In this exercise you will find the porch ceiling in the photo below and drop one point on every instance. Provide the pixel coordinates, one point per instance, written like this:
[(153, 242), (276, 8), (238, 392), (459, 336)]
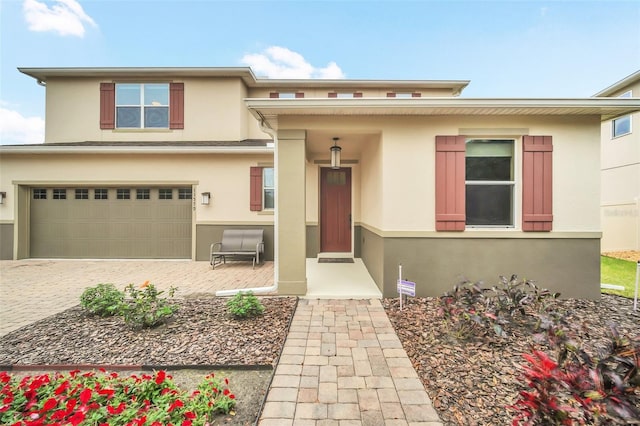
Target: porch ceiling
[(607, 108)]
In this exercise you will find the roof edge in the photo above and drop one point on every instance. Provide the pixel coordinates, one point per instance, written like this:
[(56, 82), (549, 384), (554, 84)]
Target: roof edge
[(630, 79)]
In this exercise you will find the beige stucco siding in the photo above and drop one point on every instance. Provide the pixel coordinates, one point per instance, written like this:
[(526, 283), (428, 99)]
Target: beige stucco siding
[(398, 179), (226, 177), (213, 110)]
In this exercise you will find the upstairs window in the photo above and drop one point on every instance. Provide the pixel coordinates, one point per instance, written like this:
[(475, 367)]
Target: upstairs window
[(142, 106), (621, 126), (489, 182)]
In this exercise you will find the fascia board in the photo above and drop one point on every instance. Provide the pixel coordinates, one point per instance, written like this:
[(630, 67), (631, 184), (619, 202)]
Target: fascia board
[(79, 149)]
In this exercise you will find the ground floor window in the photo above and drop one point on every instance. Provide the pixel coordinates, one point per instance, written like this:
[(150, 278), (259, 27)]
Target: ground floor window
[(268, 188), (489, 182)]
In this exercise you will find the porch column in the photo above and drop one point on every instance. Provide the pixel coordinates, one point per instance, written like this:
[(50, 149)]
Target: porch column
[(290, 213)]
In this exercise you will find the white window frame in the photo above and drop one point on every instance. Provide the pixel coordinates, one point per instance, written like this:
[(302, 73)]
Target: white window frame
[(615, 135), (141, 105), (265, 188), (515, 184)]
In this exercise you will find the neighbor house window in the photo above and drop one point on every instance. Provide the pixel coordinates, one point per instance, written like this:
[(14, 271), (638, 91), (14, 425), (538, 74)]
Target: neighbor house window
[(82, 194), (143, 194), (268, 188), (59, 194), (39, 194), (100, 194), (489, 182), (123, 194), (165, 194), (184, 193), (621, 126), (142, 105)]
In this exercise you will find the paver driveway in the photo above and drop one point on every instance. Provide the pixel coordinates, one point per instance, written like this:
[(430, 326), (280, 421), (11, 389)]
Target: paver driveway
[(33, 289)]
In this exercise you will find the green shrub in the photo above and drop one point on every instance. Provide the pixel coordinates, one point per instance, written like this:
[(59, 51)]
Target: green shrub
[(145, 308), (245, 305), (103, 300)]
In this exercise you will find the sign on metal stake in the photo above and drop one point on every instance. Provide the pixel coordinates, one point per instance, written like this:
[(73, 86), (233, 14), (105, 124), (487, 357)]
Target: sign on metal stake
[(405, 287)]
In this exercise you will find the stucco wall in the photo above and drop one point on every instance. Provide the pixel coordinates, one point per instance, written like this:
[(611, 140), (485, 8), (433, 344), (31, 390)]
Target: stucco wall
[(226, 177), (214, 110)]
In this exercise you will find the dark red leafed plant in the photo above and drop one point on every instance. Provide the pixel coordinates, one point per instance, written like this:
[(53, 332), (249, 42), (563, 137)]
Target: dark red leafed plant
[(580, 388)]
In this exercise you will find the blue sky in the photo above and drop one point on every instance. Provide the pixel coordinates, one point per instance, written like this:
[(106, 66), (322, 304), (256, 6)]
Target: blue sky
[(506, 48)]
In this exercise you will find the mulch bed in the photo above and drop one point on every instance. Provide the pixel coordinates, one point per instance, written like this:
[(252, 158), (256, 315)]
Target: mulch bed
[(472, 382), (201, 332)]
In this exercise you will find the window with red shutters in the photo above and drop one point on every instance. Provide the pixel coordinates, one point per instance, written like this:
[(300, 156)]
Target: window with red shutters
[(537, 209), (450, 183), (108, 106)]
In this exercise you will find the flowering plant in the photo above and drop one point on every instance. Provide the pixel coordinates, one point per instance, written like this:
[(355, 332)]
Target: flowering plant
[(107, 399), (145, 307)]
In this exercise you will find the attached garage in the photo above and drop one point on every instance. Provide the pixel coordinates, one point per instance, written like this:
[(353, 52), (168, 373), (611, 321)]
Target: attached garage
[(104, 222)]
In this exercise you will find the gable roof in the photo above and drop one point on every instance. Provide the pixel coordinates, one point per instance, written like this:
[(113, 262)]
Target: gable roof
[(627, 81)]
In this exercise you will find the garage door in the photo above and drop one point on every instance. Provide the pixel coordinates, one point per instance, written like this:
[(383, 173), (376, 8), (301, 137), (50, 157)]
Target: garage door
[(111, 223)]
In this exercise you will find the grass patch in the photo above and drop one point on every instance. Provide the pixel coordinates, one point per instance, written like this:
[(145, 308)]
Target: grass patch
[(618, 272)]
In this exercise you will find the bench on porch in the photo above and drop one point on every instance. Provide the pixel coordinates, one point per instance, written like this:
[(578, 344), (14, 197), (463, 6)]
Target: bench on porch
[(241, 244)]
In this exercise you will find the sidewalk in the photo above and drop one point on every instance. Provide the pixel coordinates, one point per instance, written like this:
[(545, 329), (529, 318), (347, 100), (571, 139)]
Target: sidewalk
[(343, 364)]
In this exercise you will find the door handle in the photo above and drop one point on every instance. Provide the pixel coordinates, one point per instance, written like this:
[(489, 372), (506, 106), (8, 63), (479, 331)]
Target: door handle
[(349, 219)]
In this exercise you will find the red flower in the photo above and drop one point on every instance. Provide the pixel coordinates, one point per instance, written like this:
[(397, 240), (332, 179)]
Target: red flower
[(187, 423), (145, 284), (49, 404), (63, 387), (226, 381), (116, 410), (160, 376), (226, 392), (190, 415), (77, 418), (232, 396), (85, 396), (176, 404)]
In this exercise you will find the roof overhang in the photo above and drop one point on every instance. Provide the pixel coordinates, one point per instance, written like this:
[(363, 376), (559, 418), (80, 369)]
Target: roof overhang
[(177, 149), (267, 110), (244, 73)]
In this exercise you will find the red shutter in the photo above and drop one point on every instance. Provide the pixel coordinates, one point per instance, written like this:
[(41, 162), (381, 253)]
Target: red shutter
[(537, 211), (274, 95), (176, 106), (107, 105), (299, 95), (357, 95), (450, 183), (416, 95), (391, 95), (255, 203), (332, 94)]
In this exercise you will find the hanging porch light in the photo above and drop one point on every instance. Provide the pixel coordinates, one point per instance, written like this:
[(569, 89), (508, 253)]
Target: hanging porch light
[(335, 154)]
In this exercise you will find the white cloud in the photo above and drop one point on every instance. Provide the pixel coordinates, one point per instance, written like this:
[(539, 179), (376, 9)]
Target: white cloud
[(280, 62), (15, 129), (66, 17)]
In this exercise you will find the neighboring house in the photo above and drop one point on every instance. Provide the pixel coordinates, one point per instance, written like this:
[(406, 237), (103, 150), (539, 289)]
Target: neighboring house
[(620, 164), (446, 186)]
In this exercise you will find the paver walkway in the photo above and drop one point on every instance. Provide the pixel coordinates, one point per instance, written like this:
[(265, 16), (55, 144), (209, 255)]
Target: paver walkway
[(343, 364)]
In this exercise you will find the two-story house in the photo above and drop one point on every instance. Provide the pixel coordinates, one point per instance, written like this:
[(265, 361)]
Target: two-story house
[(157, 162), (620, 164)]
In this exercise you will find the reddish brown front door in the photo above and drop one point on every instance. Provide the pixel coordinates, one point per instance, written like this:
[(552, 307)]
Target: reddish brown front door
[(335, 210)]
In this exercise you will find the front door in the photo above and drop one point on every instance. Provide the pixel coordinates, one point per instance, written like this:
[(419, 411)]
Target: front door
[(335, 210)]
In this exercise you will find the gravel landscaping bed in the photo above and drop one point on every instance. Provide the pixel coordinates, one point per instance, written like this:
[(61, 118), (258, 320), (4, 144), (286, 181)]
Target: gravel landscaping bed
[(471, 383), (200, 335)]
